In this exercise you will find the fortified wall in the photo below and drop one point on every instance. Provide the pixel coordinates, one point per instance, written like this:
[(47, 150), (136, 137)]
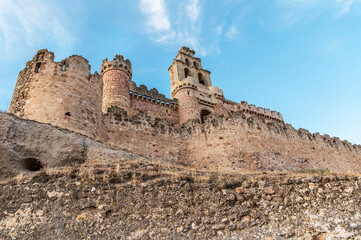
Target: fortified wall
[(196, 127)]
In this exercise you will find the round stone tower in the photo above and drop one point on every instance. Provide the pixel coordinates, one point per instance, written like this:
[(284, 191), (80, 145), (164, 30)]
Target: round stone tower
[(64, 94), (116, 76), (188, 107)]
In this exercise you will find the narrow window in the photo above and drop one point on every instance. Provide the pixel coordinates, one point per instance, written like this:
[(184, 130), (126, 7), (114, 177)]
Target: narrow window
[(187, 72), (187, 62), (37, 67), (200, 79), (195, 64), (63, 67), (188, 93)]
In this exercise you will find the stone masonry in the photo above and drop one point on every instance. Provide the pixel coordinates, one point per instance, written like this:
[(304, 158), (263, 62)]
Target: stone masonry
[(197, 127)]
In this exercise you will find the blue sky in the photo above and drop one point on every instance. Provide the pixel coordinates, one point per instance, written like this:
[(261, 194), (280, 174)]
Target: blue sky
[(299, 57)]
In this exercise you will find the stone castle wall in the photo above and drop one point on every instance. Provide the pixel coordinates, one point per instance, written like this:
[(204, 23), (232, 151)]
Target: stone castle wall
[(243, 137), (252, 143), (151, 101), (63, 93), (237, 143), (252, 110), (159, 139), (105, 192)]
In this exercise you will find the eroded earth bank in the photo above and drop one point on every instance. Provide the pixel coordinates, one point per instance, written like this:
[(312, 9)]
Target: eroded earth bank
[(56, 184)]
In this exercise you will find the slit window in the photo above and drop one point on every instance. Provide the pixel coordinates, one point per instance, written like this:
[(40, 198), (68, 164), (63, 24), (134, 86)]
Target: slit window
[(37, 67), (200, 79), (187, 62), (187, 72)]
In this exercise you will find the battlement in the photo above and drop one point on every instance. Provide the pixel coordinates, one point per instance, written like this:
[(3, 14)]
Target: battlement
[(254, 110), (197, 127), (117, 63), (192, 93), (152, 96)]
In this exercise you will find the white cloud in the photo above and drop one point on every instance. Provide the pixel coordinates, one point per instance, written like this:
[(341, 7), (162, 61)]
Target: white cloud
[(344, 5), (231, 33), (156, 13), (193, 10), (181, 30), (28, 22), (293, 11), (182, 23)]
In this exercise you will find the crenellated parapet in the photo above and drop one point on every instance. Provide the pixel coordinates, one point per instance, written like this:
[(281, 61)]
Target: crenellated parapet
[(118, 63), (254, 110), (152, 96), (262, 112), (63, 93)]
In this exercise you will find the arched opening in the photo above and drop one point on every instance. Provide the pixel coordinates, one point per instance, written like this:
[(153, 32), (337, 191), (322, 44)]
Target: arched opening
[(195, 64), (200, 79), (187, 62), (187, 72), (204, 114), (32, 164)]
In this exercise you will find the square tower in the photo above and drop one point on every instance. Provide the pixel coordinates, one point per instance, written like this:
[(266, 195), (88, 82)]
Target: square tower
[(192, 86)]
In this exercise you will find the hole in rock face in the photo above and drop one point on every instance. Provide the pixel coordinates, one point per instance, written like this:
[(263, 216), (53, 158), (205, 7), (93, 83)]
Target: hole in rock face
[(32, 164), (67, 114)]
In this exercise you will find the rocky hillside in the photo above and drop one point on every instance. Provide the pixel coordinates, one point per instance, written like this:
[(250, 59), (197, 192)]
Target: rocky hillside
[(144, 200), (56, 184)]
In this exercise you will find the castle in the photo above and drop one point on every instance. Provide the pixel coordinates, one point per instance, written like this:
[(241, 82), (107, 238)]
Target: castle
[(110, 107), (66, 93)]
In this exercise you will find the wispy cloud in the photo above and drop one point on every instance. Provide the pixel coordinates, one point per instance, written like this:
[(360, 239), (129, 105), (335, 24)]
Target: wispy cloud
[(291, 12), (27, 22), (231, 33), (294, 11), (344, 6), (182, 29), (156, 14), (193, 10), (182, 23)]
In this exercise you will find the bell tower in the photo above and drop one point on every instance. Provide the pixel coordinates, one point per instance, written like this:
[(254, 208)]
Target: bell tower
[(192, 86)]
